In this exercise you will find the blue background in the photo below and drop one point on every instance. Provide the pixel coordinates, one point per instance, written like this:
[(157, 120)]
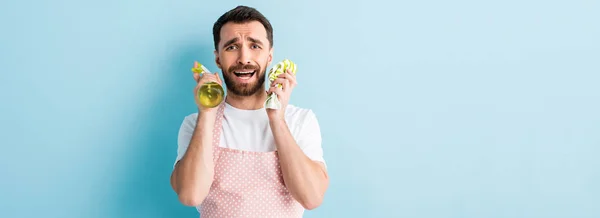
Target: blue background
[(428, 109)]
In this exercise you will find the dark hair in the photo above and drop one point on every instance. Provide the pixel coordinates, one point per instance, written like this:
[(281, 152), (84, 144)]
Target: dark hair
[(241, 14)]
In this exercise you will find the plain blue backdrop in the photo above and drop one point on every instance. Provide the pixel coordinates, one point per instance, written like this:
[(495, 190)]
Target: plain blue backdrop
[(428, 109)]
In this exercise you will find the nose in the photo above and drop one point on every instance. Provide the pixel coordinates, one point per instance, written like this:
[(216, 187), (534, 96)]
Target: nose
[(244, 56)]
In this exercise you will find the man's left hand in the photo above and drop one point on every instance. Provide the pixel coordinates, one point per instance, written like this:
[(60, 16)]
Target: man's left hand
[(288, 82)]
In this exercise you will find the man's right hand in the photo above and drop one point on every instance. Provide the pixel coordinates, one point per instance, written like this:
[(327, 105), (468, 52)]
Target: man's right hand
[(202, 79)]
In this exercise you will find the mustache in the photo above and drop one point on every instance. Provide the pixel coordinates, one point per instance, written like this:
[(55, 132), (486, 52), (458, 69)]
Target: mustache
[(243, 67)]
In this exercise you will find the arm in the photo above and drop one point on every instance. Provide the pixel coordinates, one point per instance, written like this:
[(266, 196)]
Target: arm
[(193, 174), (307, 180)]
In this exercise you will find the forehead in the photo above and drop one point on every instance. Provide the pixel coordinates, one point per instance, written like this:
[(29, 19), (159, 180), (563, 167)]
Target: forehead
[(252, 29)]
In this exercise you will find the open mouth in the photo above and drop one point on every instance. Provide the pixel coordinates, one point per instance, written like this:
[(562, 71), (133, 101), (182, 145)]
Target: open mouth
[(244, 74)]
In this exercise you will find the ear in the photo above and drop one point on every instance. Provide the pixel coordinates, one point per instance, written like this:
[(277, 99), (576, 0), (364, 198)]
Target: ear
[(217, 61), (270, 59)]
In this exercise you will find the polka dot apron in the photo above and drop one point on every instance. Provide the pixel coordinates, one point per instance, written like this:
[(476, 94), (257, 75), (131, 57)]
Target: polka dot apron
[(247, 184)]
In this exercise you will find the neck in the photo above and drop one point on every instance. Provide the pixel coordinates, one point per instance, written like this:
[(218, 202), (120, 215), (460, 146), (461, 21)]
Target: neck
[(252, 102)]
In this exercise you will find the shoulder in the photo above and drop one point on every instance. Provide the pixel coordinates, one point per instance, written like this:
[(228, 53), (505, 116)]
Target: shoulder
[(189, 121), (191, 116), (298, 113)]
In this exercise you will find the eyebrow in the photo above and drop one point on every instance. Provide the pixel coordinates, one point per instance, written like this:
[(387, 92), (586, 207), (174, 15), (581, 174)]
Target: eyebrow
[(231, 41), (255, 40), (236, 39)]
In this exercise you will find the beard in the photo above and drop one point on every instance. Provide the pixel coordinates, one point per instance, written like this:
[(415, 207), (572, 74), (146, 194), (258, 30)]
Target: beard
[(245, 89)]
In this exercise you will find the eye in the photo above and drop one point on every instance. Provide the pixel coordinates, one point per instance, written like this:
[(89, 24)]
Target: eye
[(230, 47), (255, 47)]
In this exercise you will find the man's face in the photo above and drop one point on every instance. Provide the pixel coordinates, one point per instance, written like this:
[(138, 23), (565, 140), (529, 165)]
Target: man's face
[(243, 55)]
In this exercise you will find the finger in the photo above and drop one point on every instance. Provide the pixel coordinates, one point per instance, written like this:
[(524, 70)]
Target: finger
[(291, 78), (288, 75), (208, 77), (278, 81), (272, 90), (286, 85), (283, 75), (196, 77), (196, 88), (277, 91)]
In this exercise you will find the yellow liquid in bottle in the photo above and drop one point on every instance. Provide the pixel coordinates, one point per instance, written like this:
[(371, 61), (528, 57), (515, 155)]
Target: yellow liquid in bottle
[(210, 94)]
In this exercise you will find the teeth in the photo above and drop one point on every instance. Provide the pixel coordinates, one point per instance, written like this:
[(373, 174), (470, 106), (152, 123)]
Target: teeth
[(244, 72)]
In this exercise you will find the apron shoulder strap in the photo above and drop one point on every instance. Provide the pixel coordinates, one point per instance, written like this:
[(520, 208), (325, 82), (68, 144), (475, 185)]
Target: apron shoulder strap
[(217, 131)]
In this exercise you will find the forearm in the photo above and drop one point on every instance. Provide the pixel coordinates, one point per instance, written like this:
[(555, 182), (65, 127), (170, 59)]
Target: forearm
[(193, 174), (305, 179)]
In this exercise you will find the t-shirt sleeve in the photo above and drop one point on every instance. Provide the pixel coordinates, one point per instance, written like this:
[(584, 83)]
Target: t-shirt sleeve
[(185, 136), (310, 138)]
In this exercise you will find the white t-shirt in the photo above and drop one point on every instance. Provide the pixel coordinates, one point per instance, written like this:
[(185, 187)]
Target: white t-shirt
[(250, 130)]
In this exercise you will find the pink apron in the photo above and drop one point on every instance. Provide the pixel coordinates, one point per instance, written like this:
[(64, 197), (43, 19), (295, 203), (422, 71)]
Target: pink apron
[(247, 183)]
